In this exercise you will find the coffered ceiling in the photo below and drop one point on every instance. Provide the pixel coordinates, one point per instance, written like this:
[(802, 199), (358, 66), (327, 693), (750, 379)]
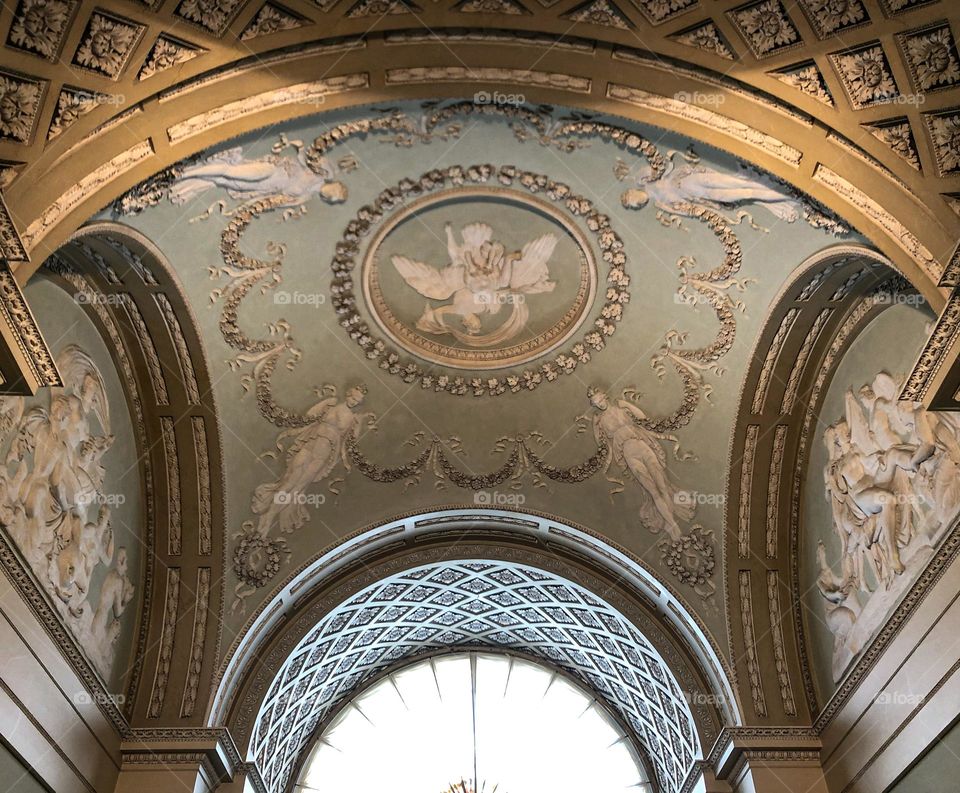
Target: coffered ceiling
[(876, 78)]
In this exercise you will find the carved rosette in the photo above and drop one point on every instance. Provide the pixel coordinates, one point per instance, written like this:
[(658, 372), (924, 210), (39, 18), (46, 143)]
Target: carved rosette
[(931, 57), (866, 75), (766, 27), (40, 25), (107, 44), (19, 105)]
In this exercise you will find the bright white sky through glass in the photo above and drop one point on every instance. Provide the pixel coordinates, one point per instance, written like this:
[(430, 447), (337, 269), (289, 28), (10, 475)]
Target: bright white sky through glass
[(420, 730)]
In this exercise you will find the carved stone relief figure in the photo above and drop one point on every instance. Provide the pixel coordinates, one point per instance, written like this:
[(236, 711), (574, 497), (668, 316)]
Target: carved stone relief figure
[(638, 452), (312, 455), (480, 277), (54, 505), (891, 481), (695, 184), (265, 177)]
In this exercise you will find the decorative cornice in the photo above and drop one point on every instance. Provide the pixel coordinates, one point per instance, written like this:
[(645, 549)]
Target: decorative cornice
[(30, 356), (707, 118)]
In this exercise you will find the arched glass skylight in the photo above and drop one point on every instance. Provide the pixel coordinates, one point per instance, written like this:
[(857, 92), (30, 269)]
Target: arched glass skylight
[(436, 726)]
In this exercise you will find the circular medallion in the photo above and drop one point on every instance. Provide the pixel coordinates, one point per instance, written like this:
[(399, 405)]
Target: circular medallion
[(481, 277)]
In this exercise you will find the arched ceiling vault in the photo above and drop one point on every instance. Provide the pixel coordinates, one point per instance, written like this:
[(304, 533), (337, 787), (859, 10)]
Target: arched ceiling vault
[(79, 131)]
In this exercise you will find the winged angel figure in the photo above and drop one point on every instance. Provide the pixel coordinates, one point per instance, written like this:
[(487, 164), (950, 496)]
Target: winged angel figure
[(480, 278)]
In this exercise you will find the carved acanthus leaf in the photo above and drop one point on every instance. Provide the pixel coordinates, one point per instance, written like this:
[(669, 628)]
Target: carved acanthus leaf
[(272, 19), (600, 12), (166, 53), (705, 37), (806, 77)]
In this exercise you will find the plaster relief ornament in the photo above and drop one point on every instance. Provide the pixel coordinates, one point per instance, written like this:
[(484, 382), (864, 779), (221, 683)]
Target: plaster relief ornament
[(19, 104), (892, 480), (166, 53), (481, 277), (637, 450), (107, 44), (866, 76), (39, 26), (932, 58), (54, 504), (312, 453), (289, 182), (682, 189), (766, 27)]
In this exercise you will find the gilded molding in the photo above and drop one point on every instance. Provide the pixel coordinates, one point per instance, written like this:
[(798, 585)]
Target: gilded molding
[(205, 522), (84, 187), (174, 508), (773, 489), (11, 246), (746, 487), (800, 362), (933, 356), (770, 360), (707, 118), (897, 232), (154, 366), (487, 74), (167, 634), (311, 93), (197, 642), (254, 62), (750, 641), (23, 328), (779, 653), (180, 345)]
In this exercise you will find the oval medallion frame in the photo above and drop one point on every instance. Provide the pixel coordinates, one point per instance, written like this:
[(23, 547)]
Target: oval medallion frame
[(480, 357)]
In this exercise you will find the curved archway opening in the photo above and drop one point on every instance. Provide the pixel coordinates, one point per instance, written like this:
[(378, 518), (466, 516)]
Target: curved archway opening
[(476, 604), (475, 721)]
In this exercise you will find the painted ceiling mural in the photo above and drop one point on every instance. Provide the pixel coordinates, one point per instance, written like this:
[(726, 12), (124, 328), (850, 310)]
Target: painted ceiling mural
[(454, 303), (70, 487), (890, 492)]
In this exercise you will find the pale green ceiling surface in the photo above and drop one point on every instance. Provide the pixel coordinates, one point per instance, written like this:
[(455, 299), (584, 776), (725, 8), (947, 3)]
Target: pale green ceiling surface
[(654, 248)]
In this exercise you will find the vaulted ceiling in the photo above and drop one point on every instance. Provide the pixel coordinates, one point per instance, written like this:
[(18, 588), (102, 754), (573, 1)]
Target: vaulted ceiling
[(95, 96)]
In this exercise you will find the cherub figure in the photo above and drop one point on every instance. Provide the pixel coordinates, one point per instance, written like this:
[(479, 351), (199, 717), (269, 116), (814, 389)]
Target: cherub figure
[(638, 451), (696, 184), (116, 592), (269, 176), (312, 455), (479, 278)]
